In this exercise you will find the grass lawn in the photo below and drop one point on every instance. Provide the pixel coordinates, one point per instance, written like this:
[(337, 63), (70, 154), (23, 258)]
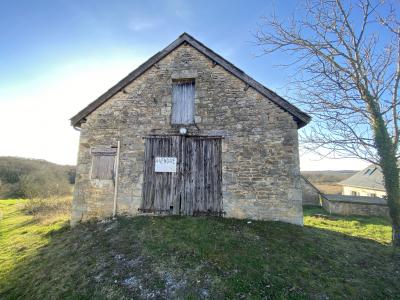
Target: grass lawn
[(190, 258)]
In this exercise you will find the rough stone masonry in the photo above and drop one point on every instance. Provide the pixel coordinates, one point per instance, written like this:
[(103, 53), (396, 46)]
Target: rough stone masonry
[(260, 155)]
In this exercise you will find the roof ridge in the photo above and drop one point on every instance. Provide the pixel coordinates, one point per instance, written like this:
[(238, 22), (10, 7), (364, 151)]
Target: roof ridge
[(373, 180), (301, 117), (310, 183)]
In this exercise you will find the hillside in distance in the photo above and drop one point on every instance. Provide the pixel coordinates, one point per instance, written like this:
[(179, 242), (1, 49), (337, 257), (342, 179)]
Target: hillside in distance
[(328, 176), (32, 178), (327, 181)]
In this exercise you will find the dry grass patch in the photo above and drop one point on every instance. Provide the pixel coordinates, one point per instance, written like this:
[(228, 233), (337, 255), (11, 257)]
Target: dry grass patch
[(50, 209), (329, 188)]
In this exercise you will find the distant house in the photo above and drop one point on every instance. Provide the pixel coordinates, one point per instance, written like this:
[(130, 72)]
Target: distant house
[(367, 182), (188, 133)]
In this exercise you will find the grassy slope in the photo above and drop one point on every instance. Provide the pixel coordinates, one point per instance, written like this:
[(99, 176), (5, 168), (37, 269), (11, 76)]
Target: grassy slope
[(196, 258), (20, 235)]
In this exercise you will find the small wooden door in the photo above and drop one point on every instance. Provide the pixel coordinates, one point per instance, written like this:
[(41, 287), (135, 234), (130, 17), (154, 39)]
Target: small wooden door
[(196, 186)]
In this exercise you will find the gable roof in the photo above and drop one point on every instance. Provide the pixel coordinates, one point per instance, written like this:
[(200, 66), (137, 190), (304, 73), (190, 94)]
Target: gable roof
[(370, 178), (300, 117), (310, 184)]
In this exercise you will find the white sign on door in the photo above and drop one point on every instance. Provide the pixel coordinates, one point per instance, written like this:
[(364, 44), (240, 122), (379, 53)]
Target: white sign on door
[(165, 164)]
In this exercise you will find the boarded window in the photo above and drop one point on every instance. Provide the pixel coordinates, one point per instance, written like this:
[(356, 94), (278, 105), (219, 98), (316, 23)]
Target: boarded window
[(103, 163), (183, 102)]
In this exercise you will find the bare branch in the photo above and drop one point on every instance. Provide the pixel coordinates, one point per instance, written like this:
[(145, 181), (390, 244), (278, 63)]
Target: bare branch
[(345, 75)]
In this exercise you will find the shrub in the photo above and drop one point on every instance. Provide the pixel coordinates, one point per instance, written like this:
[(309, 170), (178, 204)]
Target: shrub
[(47, 209), (32, 178), (44, 184)]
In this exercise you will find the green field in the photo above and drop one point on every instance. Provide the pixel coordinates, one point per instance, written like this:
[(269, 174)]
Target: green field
[(190, 258)]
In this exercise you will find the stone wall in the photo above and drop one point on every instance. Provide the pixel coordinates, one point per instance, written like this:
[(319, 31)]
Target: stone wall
[(261, 176), (348, 208)]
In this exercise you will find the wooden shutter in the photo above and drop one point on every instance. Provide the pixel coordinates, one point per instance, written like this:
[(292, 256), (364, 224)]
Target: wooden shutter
[(183, 102), (103, 162)]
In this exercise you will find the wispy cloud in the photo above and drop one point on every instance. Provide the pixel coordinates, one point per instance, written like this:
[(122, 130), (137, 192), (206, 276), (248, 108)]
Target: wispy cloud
[(180, 9), (167, 12), (141, 24)]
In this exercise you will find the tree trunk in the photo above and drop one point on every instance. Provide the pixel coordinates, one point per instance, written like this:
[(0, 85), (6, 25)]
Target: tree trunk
[(391, 179), (388, 162), (396, 235)]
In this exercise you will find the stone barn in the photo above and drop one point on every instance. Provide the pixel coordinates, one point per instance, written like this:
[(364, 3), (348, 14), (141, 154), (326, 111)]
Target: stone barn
[(189, 133)]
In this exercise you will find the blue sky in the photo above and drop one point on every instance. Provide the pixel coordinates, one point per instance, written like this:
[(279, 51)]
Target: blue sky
[(57, 56), (42, 35)]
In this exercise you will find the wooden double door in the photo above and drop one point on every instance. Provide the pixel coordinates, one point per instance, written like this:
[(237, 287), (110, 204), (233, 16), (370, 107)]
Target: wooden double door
[(195, 188)]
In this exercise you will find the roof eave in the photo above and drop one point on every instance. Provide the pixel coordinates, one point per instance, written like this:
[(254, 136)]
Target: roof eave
[(363, 187), (300, 117)]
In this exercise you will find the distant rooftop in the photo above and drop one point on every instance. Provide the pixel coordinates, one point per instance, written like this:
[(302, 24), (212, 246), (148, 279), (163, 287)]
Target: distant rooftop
[(369, 178)]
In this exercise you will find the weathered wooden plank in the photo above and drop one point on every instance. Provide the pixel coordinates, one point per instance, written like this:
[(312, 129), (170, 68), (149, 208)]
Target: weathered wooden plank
[(190, 182), (147, 178), (103, 167), (209, 174), (218, 177), (186, 178), (183, 102), (200, 194), (195, 173), (103, 150), (196, 186)]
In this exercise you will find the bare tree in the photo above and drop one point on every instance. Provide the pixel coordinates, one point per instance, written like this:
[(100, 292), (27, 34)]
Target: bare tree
[(346, 57)]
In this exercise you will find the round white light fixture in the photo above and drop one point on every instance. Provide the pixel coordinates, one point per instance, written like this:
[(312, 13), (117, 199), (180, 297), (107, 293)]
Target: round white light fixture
[(182, 130)]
